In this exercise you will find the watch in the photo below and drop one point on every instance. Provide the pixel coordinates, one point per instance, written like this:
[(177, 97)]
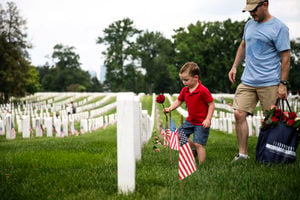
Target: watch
[(283, 82)]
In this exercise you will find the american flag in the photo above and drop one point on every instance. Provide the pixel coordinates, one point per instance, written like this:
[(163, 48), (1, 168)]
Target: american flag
[(166, 137), (13, 131), (174, 140), (186, 165)]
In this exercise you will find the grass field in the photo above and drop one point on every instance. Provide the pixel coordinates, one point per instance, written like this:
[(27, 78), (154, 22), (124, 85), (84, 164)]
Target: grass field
[(85, 167)]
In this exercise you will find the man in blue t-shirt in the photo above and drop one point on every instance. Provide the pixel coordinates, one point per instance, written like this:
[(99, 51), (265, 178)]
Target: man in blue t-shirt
[(266, 49)]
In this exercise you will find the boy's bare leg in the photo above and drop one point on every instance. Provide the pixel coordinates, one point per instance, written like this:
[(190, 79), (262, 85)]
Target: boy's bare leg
[(201, 152)]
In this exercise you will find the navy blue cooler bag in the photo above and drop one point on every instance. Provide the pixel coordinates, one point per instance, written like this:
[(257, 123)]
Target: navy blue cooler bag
[(277, 143)]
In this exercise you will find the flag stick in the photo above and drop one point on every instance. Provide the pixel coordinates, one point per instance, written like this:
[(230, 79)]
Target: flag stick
[(170, 148), (181, 117), (181, 185)]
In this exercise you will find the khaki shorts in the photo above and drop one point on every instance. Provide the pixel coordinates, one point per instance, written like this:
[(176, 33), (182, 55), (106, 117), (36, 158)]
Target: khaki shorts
[(246, 97)]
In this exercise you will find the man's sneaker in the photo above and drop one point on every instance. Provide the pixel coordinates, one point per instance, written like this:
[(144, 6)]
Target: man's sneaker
[(240, 157)]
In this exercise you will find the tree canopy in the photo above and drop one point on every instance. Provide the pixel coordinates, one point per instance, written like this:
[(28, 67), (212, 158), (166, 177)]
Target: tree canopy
[(66, 73), (17, 76), (135, 60)]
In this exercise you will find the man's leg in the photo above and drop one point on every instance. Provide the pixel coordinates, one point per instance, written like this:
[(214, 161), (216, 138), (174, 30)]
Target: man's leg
[(241, 131), (244, 102)]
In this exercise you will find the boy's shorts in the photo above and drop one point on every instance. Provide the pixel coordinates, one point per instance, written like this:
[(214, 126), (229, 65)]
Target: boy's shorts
[(200, 133), (246, 97)]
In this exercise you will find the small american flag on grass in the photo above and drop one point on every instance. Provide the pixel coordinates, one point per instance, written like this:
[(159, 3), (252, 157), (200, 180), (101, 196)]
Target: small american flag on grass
[(167, 137), (13, 131), (186, 165), (174, 140)]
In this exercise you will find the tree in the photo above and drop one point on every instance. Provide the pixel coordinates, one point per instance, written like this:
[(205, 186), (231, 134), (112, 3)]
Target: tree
[(294, 75), (65, 72), (15, 70), (156, 54), (212, 45), (32, 83), (65, 57), (95, 85), (119, 38)]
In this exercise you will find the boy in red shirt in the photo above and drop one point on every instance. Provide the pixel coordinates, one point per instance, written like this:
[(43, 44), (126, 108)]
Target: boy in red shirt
[(200, 107)]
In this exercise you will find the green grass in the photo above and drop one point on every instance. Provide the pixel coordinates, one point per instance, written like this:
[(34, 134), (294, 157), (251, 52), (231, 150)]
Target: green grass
[(85, 167), (147, 103)]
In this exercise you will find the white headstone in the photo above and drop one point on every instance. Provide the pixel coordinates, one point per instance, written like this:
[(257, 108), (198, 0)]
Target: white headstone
[(126, 142), (72, 129), (2, 129), (249, 122), (10, 130), (65, 127), (49, 126), (25, 127), (38, 129), (229, 125), (137, 126)]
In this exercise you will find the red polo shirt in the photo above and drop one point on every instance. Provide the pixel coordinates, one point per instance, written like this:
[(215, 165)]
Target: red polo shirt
[(196, 102)]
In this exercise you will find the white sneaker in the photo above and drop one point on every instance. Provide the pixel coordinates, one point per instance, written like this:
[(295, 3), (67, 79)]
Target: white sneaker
[(240, 157)]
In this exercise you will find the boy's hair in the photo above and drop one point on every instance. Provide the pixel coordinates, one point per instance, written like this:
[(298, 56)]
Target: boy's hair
[(191, 67)]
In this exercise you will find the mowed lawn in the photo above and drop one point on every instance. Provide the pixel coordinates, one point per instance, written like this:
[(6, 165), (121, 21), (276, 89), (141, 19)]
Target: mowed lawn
[(85, 167)]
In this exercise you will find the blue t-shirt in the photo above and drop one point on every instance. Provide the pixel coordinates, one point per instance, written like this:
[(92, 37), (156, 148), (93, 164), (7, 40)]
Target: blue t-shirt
[(264, 42)]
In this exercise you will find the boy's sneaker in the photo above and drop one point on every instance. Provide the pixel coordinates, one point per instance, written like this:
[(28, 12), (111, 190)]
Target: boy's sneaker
[(240, 157)]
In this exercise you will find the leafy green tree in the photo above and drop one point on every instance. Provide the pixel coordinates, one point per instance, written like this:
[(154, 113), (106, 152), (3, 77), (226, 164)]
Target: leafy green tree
[(65, 72), (96, 86), (156, 55), (16, 76), (32, 83), (65, 57), (119, 38), (133, 79), (294, 75), (212, 45)]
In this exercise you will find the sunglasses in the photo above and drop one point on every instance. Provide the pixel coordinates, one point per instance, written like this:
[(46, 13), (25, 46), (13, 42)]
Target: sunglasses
[(258, 5)]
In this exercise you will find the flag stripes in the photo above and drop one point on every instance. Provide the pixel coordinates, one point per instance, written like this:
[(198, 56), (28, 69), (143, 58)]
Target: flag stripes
[(167, 137), (174, 140), (187, 164)]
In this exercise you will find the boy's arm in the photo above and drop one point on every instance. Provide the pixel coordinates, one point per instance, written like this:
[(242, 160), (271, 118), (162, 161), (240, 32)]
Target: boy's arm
[(174, 105), (207, 122)]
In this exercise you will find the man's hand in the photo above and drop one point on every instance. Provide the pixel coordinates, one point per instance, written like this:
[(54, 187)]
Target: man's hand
[(231, 75), (282, 91)]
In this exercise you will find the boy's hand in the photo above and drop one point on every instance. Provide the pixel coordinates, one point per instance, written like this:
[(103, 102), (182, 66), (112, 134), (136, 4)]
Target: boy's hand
[(206, 123), (166, 110)]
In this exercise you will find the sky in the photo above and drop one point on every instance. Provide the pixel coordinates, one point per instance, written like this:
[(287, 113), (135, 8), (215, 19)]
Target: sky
[(79, 23)]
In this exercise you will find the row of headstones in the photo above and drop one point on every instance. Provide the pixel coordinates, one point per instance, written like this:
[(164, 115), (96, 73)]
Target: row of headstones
[(134, 128), (45, 99), (63, 113), (52, 126), (227, 124), (63, 110)]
